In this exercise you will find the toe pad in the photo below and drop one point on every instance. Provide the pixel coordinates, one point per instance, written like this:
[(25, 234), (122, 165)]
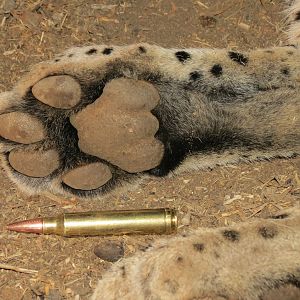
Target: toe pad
[(58, 91), (21, 128), (87, 177), (33, 163)]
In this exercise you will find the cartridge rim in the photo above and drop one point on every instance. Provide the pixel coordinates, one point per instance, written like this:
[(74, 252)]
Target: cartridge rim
[(171, 220)]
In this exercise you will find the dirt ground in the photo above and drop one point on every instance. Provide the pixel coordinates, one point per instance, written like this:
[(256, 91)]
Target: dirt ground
[(31, 31)]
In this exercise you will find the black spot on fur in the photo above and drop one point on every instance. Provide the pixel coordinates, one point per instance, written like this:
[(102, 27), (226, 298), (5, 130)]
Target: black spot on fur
[(145, 248), (171, 286), (91, 51), (267, 233), (231, 235), (269, 51), (238, 57), (57, 60), (290, 45), (142, 49), (290, 52), (122, 268), (182, 56), (279, 217), (195, 75), (107, 51), (198, 247), (285, 71), (217, 70), (216, 254), (70, 55), (297, 18), (179, 259)]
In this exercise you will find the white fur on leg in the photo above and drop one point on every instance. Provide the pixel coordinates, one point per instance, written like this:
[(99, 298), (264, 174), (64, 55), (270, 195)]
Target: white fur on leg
[(293, 17), (6, 99)]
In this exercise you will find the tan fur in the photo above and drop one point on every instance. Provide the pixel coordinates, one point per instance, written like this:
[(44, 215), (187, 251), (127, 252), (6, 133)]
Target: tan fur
[(223, 270), (294, 25), (277, 123), (206, 263), (6, 100)]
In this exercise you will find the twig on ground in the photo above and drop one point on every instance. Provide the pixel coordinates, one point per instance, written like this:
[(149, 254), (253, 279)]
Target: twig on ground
[(17, 269)]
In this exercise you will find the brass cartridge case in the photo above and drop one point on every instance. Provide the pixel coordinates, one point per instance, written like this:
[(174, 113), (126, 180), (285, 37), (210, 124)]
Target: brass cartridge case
[(116, 222)]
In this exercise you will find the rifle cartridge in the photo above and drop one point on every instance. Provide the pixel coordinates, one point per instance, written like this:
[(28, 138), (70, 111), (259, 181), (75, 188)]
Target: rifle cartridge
[(115, 222)]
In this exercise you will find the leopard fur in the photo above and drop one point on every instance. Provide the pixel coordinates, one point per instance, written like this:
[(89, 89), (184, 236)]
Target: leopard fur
[(217, 263), (216, 107)]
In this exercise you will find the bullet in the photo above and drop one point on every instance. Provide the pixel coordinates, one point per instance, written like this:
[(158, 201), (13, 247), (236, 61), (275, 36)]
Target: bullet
[(115, 222)]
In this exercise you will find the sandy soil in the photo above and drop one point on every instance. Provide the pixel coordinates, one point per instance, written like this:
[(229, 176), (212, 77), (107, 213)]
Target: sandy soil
[(32, 31)]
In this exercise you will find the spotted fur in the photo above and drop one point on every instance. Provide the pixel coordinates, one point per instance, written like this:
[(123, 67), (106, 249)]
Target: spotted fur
[(261, 260), (217, 106)]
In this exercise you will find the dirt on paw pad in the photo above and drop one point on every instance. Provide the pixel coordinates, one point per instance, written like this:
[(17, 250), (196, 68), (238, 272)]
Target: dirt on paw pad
[(87, 177), (21, 128), (34, 163), (119, 126), (60, 91)]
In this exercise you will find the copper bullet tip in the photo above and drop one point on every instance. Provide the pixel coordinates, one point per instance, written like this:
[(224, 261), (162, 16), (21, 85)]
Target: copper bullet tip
[(31, 226)]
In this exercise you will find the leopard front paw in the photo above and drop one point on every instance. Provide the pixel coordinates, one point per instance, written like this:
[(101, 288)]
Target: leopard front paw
[(67, 136)]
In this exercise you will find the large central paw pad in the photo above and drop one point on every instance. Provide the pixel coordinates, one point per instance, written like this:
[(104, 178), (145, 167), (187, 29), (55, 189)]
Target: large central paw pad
[(80, 138), (119, 126)]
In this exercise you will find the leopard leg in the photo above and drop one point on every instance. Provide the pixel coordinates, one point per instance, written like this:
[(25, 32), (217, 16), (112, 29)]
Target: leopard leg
[(243, 261), (293, 17), (112, 114)]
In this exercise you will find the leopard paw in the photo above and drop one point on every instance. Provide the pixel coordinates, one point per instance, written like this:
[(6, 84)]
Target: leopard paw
[(81, 137)]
